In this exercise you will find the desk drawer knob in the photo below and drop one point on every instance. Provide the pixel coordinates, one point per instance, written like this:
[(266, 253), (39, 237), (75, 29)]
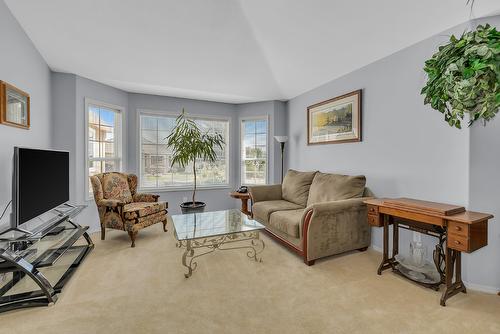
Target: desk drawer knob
[(457, 242), (458, 228)]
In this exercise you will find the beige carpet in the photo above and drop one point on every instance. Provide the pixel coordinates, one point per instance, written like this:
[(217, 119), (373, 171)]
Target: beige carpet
[(120, 289)]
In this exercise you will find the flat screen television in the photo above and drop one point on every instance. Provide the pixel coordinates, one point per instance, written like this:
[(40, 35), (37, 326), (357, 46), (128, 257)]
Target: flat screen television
[(41, 182)]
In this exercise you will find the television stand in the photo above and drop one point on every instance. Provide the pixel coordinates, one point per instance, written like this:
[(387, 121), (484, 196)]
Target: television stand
[(35, 267)]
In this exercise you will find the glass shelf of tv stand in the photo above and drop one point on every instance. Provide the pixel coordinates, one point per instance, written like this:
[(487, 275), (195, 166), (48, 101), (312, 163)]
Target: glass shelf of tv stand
[(53, 254), (43, 224)]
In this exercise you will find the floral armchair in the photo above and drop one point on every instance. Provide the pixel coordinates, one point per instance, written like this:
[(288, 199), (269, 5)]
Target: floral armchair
[(121, 207)]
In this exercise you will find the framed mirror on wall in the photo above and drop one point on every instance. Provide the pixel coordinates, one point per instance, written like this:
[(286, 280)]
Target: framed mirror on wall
[(14, 106)]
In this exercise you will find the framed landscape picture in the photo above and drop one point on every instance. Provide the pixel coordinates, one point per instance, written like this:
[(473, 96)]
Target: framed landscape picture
[(337, 120)]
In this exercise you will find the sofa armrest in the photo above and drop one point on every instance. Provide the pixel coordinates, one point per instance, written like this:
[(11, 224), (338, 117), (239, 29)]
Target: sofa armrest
[(112, 203), (265, 193), (335, 227), (138, 197)]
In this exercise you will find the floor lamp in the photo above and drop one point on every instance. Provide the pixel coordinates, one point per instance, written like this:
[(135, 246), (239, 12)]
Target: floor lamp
[(282, 140)]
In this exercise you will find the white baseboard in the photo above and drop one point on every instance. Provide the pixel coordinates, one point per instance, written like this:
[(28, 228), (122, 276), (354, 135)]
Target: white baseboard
[(481, 288), (468, 285)]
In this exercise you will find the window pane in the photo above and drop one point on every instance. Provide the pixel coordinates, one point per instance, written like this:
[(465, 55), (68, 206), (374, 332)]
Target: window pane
[(149, 137), (109, 150), (249, 126), (163, 149), (162, 137), (107, 117), (249, 144), (93, 115), (111, 166), (148, 122), (149, 149), (166, 123), (93, 132), (94, 168), (148, 177), (261, 127), (94, 151), (107, 133)]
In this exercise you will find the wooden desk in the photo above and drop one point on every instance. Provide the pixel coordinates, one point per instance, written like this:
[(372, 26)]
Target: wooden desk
[(244, 197), (461, 230)]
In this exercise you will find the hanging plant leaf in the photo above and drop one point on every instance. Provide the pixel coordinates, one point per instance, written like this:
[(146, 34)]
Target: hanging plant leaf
[(464, 77)]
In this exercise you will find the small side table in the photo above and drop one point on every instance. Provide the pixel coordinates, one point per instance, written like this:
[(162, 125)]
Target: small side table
[(244, 197)]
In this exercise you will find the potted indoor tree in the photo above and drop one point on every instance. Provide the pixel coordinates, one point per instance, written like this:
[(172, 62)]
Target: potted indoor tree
[(189, 143)]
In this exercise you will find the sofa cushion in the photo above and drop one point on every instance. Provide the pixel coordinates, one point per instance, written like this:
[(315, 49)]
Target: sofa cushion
[(143, 209), (295, 187), (287, 221), (335, 187), (263, 210), (115, 186)]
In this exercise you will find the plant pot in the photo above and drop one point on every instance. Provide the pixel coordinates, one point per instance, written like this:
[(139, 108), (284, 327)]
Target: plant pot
[(188, 207)]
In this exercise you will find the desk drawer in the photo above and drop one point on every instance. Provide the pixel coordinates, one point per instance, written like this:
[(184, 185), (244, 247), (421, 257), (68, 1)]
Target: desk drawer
[(458, 242), (458, 228), (372, 210), (374, 220)]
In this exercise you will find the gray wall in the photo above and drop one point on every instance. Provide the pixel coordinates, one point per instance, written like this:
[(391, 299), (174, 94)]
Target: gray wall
[(22, 66), (68, 94), (483, 267), (407, 148)]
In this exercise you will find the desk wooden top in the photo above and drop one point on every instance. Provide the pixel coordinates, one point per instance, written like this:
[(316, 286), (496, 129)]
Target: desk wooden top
[(433, 209)]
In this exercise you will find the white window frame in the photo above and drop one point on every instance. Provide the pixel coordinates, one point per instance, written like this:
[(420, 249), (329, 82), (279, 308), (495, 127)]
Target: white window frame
[(159, 113), (119, 133), (241, 141)]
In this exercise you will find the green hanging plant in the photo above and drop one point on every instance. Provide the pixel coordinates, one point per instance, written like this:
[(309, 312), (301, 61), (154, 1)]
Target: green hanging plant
[(464, 77)]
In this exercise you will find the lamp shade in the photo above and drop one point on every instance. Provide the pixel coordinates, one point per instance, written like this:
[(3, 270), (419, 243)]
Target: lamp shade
[(281, 139)]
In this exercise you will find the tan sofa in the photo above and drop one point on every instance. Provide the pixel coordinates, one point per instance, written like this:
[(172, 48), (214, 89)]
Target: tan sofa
[(315, 214)]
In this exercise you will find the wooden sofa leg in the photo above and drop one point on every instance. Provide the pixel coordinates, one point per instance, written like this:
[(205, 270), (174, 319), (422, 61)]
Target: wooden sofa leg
[(132, 237), (362, 249), (103, 232), (165, 225), (309, 262)]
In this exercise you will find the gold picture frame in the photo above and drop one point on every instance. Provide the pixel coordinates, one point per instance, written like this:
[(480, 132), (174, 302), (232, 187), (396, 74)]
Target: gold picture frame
[(14, 106), (336, 120)]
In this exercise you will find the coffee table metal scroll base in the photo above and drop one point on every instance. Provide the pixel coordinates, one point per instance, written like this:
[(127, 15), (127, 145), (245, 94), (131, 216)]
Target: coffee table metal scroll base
[(223, 242)]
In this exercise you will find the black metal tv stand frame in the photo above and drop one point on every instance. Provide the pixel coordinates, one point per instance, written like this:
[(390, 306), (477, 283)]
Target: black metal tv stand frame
[(37, 263)]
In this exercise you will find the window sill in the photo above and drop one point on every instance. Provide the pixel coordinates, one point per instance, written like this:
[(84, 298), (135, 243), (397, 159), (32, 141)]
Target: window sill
[(190, 188)]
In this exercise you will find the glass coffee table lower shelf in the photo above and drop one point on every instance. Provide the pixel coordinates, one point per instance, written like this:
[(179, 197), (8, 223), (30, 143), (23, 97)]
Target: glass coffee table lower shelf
[(217, 230)]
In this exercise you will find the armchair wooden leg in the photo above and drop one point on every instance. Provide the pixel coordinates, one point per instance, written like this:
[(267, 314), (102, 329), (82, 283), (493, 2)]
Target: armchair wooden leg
[(165, 225), (132, 237), (103, 232)]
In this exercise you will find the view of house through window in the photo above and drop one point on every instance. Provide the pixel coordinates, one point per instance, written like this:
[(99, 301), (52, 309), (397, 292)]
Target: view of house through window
[(104, 140), (156, 156), (254, 151)]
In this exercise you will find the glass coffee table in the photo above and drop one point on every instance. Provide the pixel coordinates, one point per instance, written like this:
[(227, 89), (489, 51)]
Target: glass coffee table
[(217, 230)]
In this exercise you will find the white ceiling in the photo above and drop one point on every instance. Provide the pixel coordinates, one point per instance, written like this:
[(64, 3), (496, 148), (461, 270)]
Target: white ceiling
[(229, 50)]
